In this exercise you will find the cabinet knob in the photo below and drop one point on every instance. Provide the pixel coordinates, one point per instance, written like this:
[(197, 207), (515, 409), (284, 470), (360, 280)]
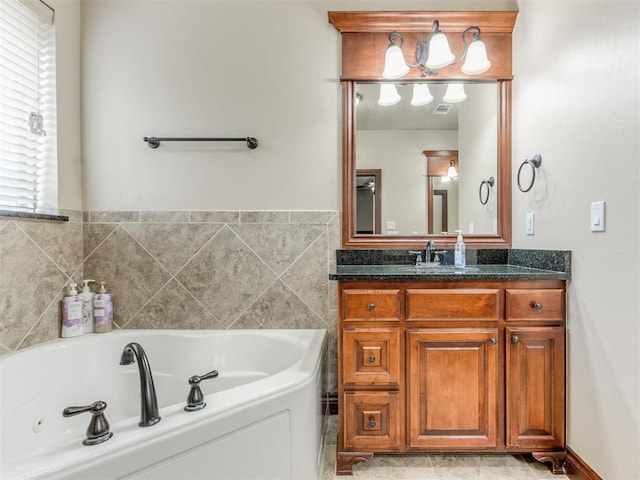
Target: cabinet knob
[(493, 341), (372, 358), (536, 305), (372, 422), (515, 339), (371, 307)]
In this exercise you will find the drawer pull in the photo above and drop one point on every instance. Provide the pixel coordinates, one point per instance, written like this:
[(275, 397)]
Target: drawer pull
[(372, 422), (493, 341), (536, 305), (372, 358), (371, 307), (515, 339)]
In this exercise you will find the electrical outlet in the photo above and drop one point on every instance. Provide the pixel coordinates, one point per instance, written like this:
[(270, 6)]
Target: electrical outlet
[(531, 223), (391, 225)]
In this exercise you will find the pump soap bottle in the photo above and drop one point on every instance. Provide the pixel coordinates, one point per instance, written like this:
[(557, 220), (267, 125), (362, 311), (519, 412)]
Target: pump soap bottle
[(87, 306), (102, 311), (460, 252), (71, 309)]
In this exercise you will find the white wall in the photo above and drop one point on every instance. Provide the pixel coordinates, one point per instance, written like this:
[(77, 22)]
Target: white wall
[(576, 102), (67, 25)]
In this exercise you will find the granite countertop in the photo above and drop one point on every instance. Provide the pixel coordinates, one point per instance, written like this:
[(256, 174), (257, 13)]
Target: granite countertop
[(489, 264)]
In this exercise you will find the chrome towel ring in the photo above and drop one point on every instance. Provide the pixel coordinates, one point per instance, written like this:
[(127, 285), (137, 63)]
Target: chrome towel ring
[(534, 163), (489, 183)]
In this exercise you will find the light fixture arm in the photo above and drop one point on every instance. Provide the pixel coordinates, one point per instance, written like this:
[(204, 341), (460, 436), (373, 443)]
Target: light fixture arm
[(476, 36)]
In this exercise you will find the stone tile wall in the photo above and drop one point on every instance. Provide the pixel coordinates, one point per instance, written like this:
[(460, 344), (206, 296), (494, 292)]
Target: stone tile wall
[(185, 269)]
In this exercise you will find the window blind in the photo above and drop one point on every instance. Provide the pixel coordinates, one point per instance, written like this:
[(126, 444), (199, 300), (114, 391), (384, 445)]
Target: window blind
[(28, 146)]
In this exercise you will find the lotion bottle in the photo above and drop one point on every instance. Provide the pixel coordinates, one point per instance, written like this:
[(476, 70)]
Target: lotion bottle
[(102, 311), (460, 252), (87, 306), (71, 309)]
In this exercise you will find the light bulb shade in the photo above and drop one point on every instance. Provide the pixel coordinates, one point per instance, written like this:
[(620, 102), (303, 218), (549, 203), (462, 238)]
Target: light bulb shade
[(445, 179), (452, 172), (439, 52), (455, 93), (421, 95), (388, 95), (476, 60), (394, 64)]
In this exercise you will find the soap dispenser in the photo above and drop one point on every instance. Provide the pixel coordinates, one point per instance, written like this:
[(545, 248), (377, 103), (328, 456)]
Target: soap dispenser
[(460, 252), (102, 311), (87, 306), (71, 310)]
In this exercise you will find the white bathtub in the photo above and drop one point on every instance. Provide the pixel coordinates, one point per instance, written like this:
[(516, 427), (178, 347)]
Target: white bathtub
[(263, 417)]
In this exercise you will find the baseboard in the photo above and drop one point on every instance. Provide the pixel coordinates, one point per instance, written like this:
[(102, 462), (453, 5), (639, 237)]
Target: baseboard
[(577, 468)]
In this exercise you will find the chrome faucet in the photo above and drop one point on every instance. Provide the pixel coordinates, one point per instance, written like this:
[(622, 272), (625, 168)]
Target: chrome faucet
[(148, 401), (428, 251)]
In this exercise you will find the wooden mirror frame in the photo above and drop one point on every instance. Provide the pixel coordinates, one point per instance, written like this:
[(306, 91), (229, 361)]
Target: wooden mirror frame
[(364, 41)]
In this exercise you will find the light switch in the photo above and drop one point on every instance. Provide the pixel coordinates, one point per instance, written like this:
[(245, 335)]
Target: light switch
[(531, 223), (597, 217), (391, 225)]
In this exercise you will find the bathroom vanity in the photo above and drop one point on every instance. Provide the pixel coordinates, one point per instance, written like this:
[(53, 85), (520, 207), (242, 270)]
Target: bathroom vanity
[(444, 360)]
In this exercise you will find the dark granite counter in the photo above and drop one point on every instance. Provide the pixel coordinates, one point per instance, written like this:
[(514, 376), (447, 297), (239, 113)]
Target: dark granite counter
[(482, 264)]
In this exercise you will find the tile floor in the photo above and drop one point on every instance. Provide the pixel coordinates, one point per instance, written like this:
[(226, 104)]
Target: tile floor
[(437, 466)]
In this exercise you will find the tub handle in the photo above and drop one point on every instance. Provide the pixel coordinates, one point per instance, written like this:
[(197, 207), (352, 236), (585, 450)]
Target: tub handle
[(98, 430), (195, 399)]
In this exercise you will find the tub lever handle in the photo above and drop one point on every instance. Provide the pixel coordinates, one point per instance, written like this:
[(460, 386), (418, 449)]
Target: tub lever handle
[(195, 399), (98, 430)]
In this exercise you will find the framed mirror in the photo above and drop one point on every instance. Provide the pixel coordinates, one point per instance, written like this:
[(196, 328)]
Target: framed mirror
[(412, 148), (420, 202)]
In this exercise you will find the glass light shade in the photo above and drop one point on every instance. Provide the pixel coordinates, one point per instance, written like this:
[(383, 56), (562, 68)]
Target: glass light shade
[(439, 52), (388, 95), (476, 60), (421, 95), (452, 172), (394, 64), (445, 179), (455, 93)]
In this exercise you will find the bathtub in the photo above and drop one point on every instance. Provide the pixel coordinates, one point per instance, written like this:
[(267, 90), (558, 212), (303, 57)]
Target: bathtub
[(263, 418)]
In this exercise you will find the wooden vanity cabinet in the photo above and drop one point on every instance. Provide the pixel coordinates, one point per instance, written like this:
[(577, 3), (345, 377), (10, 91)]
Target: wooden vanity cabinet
[(451, 366)]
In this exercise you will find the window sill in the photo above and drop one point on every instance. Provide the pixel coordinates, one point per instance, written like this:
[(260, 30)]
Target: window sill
[(34, 216)]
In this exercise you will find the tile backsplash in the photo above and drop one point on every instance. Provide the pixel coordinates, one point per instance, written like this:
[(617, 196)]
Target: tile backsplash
[(175, 269)]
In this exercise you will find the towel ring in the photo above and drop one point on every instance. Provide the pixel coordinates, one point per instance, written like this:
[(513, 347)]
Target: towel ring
[(489, 183), (534, 163)]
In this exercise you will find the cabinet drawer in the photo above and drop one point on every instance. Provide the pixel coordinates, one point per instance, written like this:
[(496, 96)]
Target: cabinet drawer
[(535, 304), (371, 304), (372, 421), (456, 304), (371, 355)]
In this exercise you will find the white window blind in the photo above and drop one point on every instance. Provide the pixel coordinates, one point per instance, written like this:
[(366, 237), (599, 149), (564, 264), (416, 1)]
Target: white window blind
[(28, 146)]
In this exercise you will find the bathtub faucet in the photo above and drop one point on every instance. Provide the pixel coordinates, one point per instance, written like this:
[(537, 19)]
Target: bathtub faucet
[(148, 401)]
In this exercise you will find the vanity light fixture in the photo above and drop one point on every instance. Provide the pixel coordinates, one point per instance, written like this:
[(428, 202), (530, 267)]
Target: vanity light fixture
[(455, 93), (358, 98), (435, 53), (452, 172), (421, 95), (388, 95)]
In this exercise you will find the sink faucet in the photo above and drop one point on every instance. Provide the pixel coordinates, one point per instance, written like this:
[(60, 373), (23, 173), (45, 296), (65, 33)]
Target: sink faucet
[(148, 401), (428, 251)]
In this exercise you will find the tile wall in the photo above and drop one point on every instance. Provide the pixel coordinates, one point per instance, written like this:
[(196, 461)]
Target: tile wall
[(179, 269)]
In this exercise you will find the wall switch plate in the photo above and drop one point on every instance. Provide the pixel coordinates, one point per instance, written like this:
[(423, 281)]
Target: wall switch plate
[(470, 227), (531, 223), (597, 216), (391, 225)]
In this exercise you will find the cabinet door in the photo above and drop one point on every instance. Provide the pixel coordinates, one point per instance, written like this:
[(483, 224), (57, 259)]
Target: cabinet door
[(453, 388), (535, 387)]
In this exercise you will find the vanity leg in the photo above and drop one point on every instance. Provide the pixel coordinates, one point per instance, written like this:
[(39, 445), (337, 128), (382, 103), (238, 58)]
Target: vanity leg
[(346, 460), (557, 460)]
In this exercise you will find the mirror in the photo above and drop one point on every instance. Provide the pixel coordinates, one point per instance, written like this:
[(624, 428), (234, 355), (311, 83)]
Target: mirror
[(411, 149)]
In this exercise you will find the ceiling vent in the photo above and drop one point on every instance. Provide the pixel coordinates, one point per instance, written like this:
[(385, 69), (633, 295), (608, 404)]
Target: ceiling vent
[(442, 109)]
